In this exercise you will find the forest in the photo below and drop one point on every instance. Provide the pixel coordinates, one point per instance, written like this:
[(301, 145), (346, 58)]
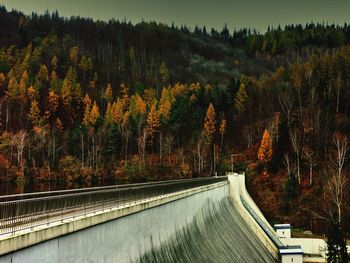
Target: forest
[(90, 101)]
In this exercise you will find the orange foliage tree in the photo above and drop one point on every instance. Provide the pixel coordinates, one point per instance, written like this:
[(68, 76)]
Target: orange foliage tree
[(265, 150)]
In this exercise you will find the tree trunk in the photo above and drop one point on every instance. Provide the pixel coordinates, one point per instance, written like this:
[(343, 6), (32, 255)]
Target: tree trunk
[(126, 146), (82, 150), (161, 147), (298, 168), (7, 116), (310, 173), (53, 148)]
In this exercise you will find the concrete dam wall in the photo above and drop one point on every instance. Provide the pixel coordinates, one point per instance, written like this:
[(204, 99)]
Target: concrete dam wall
[(206, 226), (219, 234)]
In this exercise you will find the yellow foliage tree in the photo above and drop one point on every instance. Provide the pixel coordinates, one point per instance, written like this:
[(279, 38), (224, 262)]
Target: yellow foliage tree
[(108, 93), (54, 62), (43, 74), (223, 126), (265, 150), (165, 104), (87, 102), (140, 105), (94, 114), (2, 81), (52, 105), (66, 93), (31, 92), (125, 119), (34, 113), (23, 83), (118, 113), (150, 96), (109, 114), (54, 82), (210, 122), (13, 89), (153, 120), (73, 54), (137, 106), (124, 96), (85, 63)]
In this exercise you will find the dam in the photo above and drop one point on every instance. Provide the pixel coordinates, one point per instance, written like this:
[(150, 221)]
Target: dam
[(193, 220)]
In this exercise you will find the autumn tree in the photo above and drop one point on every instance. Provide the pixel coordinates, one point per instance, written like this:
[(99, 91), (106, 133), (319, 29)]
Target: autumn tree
[(137, 113), (109, 114), (23, 84), (108, 95), (43, 74), (71, 95), (138, 110), (337, 180), (296, 140), (296, 75), (73, 54), (53, 102), (32, 93), (55, 82), (34, 113), (87, 103), (265, 150), (165, 104), (153, 122), (54, 62), (85, 65), (209, 127), (124, 95), (208, 133), (90, 119), (222, 130), (94, 114), (126, 132), (118, 112)]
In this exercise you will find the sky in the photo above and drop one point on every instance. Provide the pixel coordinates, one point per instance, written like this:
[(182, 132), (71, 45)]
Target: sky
[(258, 14)]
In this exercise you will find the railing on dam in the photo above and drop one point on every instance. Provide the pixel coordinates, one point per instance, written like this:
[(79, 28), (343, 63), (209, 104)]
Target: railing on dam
[(264, 227), (18, 212)]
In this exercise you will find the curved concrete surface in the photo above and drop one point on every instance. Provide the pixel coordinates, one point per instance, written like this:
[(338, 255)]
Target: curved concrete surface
[(219, 234)]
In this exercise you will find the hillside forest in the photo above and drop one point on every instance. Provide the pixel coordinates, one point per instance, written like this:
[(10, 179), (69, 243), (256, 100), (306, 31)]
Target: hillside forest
[(94, 101)]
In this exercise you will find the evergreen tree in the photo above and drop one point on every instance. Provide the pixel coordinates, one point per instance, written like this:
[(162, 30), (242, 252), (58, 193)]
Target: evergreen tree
[(336, 244), (240, 100)]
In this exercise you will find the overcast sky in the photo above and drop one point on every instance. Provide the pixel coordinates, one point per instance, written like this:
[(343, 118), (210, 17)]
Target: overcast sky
[(212, 13)]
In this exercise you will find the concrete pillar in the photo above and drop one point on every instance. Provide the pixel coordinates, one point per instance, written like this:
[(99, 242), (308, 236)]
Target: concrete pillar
[(234, 184)]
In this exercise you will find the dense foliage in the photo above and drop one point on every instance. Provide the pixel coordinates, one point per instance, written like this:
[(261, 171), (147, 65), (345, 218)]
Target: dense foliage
[(86, 100)]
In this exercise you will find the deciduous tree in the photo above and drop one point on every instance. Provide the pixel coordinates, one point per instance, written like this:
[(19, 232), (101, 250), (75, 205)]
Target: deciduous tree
[(209, 123), (34, 113), (265, 150)]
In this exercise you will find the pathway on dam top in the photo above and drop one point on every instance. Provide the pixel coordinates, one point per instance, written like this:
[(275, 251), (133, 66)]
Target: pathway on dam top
[(25, 211)]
